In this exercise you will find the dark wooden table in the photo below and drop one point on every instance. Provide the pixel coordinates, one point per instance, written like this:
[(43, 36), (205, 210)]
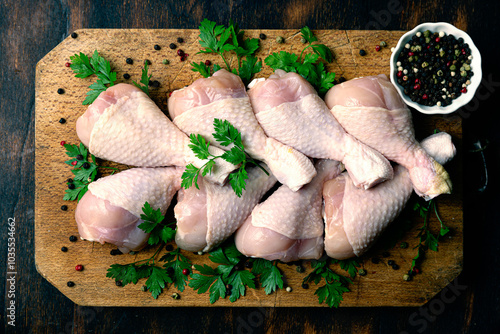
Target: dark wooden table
[(28, 30)]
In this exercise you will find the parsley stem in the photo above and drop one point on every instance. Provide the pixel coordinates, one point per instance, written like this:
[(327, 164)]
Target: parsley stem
[(300, 58), (227, 65)]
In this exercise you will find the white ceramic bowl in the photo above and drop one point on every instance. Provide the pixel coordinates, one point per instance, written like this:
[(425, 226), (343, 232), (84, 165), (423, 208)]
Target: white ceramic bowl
[(475, 66)]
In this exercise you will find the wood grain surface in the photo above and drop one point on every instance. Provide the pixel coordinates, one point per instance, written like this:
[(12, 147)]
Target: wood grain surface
[(28, 31), (383, 286)]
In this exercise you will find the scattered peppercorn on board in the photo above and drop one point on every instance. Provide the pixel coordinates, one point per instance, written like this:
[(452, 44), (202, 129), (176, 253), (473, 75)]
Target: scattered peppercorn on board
[(382, 286)]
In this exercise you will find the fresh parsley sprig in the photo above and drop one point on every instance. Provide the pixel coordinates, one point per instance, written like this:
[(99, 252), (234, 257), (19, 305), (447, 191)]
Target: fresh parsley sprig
[(268, 274), (228, 279), (427, 240), (84, 170), (335, 285), (309, 67), (144, 79), (220, 39), (158, 277), (84, 66), (225, 134)]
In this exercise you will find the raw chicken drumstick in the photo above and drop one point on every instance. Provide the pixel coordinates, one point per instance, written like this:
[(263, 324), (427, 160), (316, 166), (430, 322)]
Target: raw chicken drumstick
[(223, 96), (289, 110), (288, 226), (355, 218), (110, 210), (209, 215), (124, 125), (371, 110)]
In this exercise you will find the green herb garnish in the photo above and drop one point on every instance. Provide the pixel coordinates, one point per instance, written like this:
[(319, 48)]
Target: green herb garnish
[(427, 240), (144, 79), (82, 176), (335, 285), (228, 273), (158, 277), (220, 40), (225, 134), (309, 66), (268, 273), (84, 66)]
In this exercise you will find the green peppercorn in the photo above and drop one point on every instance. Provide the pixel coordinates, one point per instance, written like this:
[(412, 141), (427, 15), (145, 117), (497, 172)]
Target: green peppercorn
[(407, 277), (453, 67), (404, 245), (280, 40), (303, 40), (425, 64), (362, 272), (175, 295), (383, 44), (166, 61), (144, 288), (299, 269), (427, 33), (440, 73), (133, 253)]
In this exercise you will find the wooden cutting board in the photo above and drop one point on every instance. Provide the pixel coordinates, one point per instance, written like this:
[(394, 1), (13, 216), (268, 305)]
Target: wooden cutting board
[(383, 286)]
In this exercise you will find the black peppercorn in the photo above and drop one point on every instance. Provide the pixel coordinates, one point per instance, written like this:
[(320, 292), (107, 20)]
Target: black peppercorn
[(62, 120), (248, 264), (154, 83), (79, 157), (71, 186), (70, 180), (362, 53), (70, 284), (74, 35), (375, 260), (157, 47), (64, 207), (64, 249), (305, 286), (262, 36), (86, 165), (115, 252), (73, 238), (147, 62), (395, 267), (126, 76), (169, 248), (118, 283), (129, 61), (342, 79), (60, 91), (172, 46), (180, 40), (391, 262)]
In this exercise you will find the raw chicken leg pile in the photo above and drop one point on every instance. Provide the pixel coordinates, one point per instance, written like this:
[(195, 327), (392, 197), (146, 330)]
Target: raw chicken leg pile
[(283, 123)]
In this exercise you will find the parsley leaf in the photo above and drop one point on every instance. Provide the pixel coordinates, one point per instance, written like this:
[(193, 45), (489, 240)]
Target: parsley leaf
[(199, 146), (308, 67), (178, 263), (335, 285), (427, 240), (270, 276), (220, 39), (157, 281), (84, 66), (228, 272), (225, 134), (190, 176), (82, 176), (202, 68), (144, 79), (153, 224)]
